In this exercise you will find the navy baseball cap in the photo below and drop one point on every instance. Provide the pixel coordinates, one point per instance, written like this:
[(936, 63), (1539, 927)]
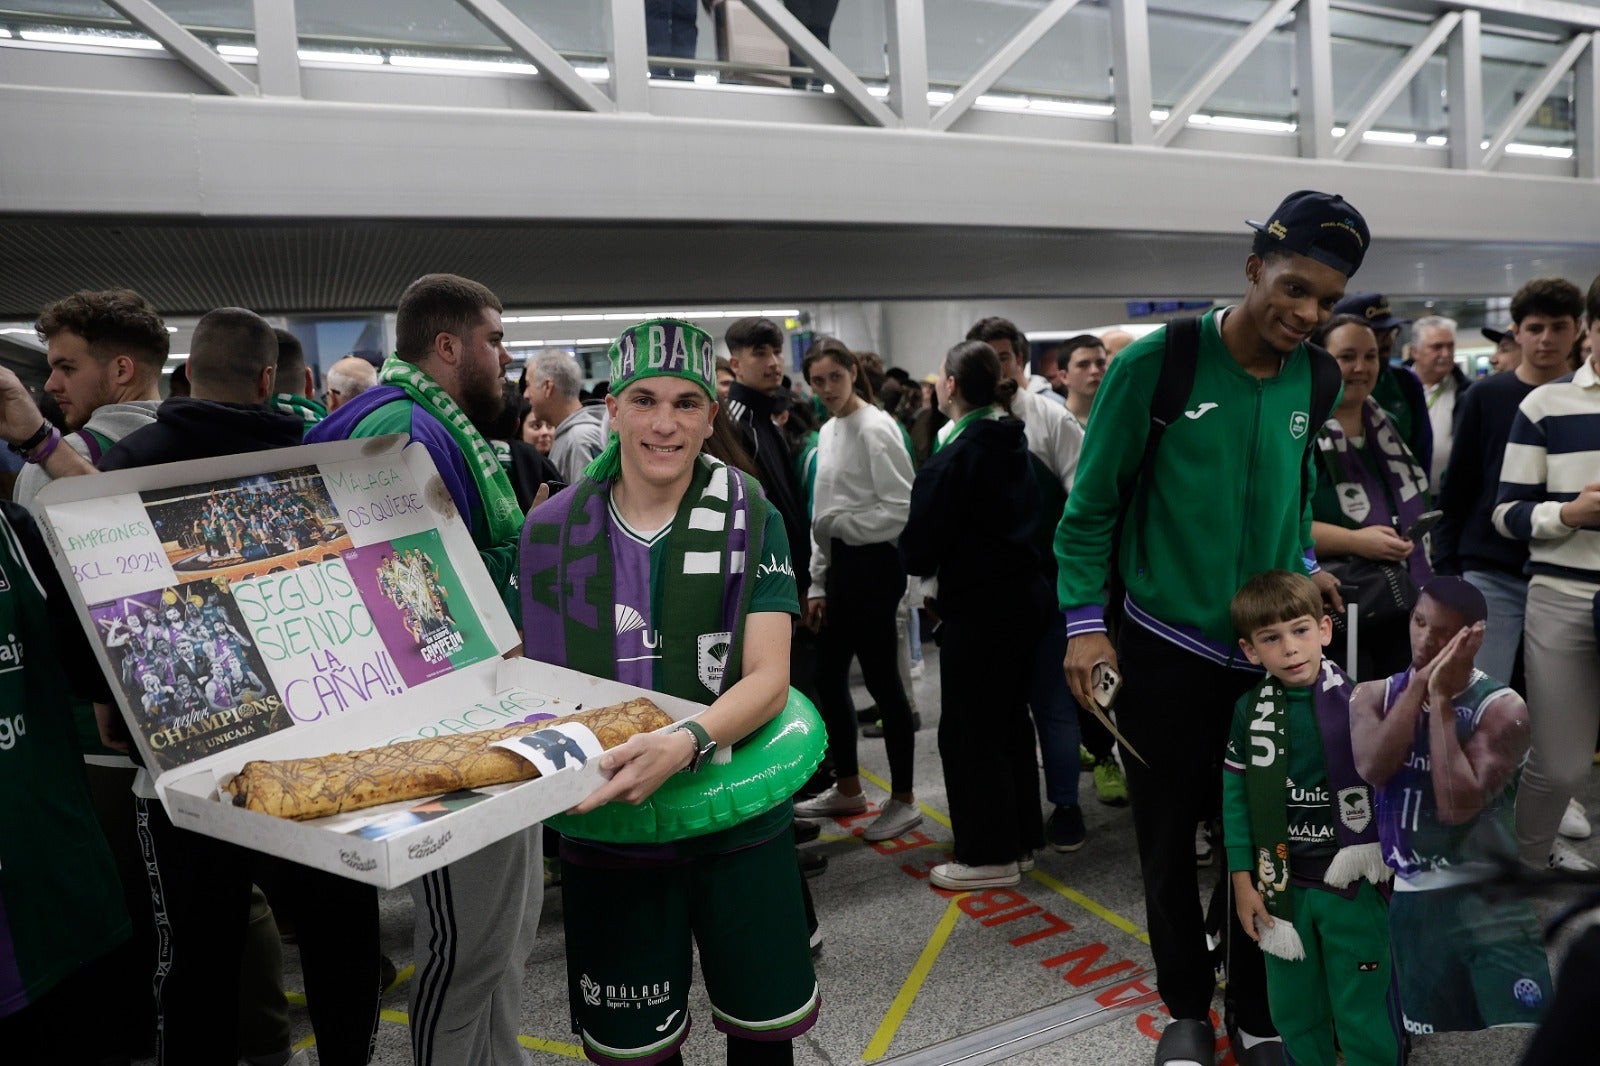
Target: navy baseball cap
[(1321, 226), (1372, 306), (1498, 336)]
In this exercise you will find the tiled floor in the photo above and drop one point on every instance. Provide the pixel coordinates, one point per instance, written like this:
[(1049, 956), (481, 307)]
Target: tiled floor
[(904, 967)]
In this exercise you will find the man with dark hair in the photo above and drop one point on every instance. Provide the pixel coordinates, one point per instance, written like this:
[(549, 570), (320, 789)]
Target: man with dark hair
[(1398, 391), (476, 918), (1545, 315), (993, 329), (233, 362), (1549, 499), (755, 354), (106, 351), (1083, 361), (1223, 498), (297, 386)]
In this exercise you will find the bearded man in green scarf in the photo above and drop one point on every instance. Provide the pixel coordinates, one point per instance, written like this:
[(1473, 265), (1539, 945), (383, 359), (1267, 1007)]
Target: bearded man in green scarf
[(476, 918)]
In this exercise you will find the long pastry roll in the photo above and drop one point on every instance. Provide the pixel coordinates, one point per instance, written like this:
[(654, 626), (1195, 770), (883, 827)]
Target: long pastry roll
[(331, 784)]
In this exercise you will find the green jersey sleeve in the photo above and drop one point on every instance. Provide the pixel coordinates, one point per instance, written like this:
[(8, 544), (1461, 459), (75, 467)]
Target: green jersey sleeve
[(774, 571)]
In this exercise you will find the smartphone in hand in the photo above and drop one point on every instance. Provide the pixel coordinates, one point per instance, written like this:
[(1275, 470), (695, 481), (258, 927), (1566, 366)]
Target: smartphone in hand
[(1105, 683), (1423, 525)]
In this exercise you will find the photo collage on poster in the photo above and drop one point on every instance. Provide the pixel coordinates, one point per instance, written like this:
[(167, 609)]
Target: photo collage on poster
[(267, 615)]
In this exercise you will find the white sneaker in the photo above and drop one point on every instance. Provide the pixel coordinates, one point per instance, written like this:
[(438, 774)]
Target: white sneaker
[(831, 803), (1575, 822), (1025, 863), (917, 669), (960, 877), (895, 819), (1562, 857)]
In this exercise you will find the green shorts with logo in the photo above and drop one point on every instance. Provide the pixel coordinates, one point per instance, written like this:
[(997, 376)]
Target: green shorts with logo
[(1466, 963), (631, 911)]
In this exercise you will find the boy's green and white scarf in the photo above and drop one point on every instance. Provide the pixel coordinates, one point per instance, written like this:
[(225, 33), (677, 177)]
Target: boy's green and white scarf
[(1266, 779), (500, 507), (578, 569)]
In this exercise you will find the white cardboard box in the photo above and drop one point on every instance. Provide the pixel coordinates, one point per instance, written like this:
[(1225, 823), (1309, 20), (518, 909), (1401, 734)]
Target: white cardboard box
[(355, 604)]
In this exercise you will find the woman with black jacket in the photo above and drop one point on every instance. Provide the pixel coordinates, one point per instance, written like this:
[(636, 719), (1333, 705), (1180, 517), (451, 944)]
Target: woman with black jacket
[(973, 508)]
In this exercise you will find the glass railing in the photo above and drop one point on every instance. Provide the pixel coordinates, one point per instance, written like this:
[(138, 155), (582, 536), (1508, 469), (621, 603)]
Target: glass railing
[(1069, 70)]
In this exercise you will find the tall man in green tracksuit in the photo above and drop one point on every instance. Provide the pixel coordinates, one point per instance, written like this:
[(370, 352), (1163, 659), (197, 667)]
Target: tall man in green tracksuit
[(1224, 499)]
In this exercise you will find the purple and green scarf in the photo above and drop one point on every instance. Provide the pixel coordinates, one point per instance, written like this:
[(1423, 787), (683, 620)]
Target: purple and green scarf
[(1364, 497)]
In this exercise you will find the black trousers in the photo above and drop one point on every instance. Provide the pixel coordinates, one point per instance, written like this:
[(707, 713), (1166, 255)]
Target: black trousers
[(1176, 709), (986, 745), (200, 891), (865, 586)]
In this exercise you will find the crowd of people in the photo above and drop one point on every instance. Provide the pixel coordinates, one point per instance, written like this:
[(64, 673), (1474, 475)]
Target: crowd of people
[(1172, 528)]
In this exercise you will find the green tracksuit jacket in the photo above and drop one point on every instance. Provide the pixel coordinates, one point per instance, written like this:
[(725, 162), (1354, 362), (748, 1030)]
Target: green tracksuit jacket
[(1225, 498)]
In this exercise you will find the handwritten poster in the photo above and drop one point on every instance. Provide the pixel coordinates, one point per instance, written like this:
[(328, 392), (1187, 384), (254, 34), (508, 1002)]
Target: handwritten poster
[(318, 639)]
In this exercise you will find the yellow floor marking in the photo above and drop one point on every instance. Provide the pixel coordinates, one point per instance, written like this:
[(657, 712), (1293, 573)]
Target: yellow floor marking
[(1098, 910), (400, 1017), (938, 816), (1103, 913), (908, 991)]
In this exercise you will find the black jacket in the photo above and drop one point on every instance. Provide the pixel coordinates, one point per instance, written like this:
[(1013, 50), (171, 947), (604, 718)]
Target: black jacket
[(1466, 538), (186, 429), (753, 411), (973, 508)]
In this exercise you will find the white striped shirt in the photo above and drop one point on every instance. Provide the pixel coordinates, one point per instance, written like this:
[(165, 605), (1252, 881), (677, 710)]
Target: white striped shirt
[(1552, 453)]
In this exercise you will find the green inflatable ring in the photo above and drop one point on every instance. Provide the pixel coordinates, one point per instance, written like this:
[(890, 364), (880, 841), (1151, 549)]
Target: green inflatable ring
[(767, 768)]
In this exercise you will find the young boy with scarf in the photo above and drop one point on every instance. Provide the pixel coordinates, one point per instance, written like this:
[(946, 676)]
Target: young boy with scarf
[(1301, 838), (669, 570)]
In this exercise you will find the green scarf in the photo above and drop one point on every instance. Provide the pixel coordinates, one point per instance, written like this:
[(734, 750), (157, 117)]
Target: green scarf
[(305, 409), (500, 508), (1266, 776), (954, 429)]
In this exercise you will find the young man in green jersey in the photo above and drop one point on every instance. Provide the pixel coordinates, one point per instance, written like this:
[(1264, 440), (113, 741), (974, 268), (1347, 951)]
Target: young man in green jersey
[(1224, 498)]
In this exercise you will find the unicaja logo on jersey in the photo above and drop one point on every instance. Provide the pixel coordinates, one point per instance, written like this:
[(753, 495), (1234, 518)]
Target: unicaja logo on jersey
[(1297, 424)]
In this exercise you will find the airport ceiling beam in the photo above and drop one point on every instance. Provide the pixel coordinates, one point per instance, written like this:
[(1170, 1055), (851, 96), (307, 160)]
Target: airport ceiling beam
[(630, 65), (1587, 106), (1396, 83), (1464, 86), (1313, 52), (1130, 71), (529, 45), (827, 65), (1002, 61), (189, 49), (277, 48), (1212, 80), (1534, 99), (908, 62)]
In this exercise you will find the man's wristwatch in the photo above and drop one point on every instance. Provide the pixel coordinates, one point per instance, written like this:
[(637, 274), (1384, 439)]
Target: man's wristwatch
[(23, 447), (704, 746)]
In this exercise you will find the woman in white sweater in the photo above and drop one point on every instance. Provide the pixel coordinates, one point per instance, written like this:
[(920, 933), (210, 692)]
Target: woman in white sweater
[(861, 500)]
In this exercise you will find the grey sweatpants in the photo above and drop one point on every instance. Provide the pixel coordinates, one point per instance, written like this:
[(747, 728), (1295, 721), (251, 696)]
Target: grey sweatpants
[(1563, 669), (474, 929)]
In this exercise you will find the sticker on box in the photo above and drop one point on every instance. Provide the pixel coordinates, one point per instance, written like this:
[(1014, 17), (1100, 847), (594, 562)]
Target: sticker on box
[(568, 746)]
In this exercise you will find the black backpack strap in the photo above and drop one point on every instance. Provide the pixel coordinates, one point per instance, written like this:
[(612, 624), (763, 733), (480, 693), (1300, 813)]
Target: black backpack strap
[(1173, 385)]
